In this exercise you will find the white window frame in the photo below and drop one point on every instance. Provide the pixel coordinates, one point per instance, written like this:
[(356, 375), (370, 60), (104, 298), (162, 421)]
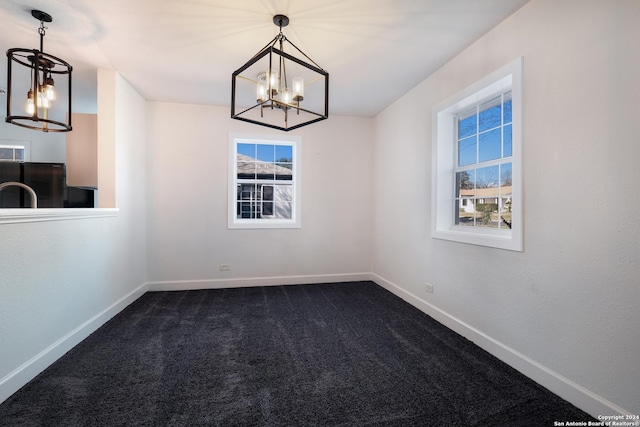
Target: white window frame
[(444, 161), (233, 222)]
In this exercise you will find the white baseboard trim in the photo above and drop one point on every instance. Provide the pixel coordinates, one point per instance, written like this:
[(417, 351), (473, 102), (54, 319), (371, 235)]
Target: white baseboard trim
[(573, 393), (31, 368), (185, 285)]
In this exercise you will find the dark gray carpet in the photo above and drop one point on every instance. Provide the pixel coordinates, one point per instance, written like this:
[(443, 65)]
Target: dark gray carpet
[(349, 354)]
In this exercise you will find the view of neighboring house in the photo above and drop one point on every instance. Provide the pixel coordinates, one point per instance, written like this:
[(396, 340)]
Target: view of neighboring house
[(495, 195), (485, 207)]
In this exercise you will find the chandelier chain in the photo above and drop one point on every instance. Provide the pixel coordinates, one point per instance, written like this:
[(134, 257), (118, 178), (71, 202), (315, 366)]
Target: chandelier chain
[(42, 28)]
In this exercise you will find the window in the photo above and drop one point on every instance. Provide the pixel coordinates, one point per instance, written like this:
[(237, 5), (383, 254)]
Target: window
[(264, 189), (477, 146), (12, 153), (483, 164)]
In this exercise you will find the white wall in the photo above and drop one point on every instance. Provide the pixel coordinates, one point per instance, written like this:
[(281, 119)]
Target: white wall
[(188, 235), (58, 275), (570, 301)]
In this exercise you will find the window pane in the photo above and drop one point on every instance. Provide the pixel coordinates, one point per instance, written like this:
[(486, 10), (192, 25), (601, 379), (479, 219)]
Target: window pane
[(246, 170), (284, 153), (505, 192), (246, 191), (286, 166), (247, 150), (487, 215), (267, 209), (490, 145), (245, 210), (507, 108), (267, 192), (467, 151), (283, 193), (465, 183), (487, 192), (19, 153), (283, 210), (266, 153), (490, 114), (465, 212), (284, 171), (6, 153), (505, 177), (487, 181), (265, 170), (505, 213), (507, 141), (467, 124)]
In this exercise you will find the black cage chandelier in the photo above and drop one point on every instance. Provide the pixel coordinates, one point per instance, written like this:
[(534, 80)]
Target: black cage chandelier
[(44, 92), (278, 89)]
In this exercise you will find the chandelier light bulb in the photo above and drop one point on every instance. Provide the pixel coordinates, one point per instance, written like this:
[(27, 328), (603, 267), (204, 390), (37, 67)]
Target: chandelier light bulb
[(43, 101), (49, 89), (30, 108), (261, 91), (298, 89), (39, 101), (274, 82), (287, 96)]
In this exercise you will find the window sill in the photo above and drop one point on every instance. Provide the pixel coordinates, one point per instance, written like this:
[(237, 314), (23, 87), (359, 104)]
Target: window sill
[(13, 216), (499, 239), (240, 224)]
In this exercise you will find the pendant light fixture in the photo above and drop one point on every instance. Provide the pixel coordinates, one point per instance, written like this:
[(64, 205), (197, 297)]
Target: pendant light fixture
[(278, 89), (41, 104)]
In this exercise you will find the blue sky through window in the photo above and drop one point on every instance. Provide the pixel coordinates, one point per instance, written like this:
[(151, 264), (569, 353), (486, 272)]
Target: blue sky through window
[(485, 133), (490, 145), (507, 141), (467, 151), (505, 174), (284, 153), (269, 153), (487, 177), (247, 149), (489, 117), (266, 153)]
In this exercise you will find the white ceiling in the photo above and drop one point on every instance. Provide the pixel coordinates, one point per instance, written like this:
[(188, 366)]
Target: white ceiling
[(184, 51)]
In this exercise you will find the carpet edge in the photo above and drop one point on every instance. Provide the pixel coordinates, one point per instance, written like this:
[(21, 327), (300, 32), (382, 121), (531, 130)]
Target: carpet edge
[(20, 376), (568, 390)]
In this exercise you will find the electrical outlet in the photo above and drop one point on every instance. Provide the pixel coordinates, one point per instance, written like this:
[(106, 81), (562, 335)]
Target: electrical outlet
[(428, 287), (225, 267)]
